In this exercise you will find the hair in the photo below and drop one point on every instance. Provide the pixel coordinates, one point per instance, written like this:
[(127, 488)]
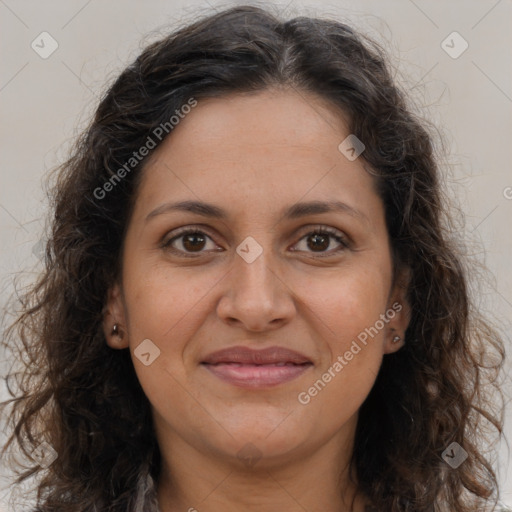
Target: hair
[(84, 399)]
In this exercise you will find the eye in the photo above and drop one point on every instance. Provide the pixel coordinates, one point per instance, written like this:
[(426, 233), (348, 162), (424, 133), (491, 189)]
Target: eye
[(320, 239), (189, 240)]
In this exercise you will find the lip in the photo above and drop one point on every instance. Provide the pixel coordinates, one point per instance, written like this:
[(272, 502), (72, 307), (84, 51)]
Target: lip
[(250, 368), (246, 355)]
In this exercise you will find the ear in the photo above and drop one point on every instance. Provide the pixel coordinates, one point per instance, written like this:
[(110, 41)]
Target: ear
[(398, 313), (114, 314)]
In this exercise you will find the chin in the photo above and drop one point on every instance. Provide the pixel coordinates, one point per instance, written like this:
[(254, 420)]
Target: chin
[(254, 440)]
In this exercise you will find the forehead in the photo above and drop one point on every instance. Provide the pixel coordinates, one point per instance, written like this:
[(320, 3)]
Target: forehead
[(271, 117), (274, 143)]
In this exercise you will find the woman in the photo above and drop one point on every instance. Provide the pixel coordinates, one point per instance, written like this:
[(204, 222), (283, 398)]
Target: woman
[(251, 298)]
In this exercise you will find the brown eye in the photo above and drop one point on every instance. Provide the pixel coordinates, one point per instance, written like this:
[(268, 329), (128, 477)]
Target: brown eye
[(189, 241), (319, 242), (193, 241), (321, 239)]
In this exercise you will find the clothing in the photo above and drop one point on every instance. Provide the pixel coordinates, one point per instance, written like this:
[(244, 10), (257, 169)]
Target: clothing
[(145, 498)]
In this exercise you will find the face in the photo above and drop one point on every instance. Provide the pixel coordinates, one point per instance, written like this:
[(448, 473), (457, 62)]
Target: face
[(257, 269)]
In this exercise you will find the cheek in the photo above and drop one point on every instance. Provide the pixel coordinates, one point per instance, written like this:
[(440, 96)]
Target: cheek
[(347, 309), (346, 301), (351, 334), (166, 303), (165, 307)]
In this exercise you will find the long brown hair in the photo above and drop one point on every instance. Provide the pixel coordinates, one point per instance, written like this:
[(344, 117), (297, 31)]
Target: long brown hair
[(84, 399)]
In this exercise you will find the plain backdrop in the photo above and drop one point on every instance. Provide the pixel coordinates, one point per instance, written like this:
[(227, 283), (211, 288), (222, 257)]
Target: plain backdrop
[(45, 102)]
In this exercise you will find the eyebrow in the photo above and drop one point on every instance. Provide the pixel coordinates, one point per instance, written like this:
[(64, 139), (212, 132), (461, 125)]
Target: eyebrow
[(293, 212)]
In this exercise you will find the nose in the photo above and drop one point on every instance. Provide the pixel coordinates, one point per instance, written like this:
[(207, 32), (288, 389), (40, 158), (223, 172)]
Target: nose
[(256, 297)]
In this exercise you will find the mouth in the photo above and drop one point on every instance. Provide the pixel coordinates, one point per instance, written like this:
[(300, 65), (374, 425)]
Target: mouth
[(249, 368)]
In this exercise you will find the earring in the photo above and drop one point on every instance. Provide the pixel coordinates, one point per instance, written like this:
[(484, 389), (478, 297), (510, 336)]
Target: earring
[(115, 330), (396, 339)]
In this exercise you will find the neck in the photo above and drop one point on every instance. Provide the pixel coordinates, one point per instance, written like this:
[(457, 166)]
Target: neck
[(195, 482)]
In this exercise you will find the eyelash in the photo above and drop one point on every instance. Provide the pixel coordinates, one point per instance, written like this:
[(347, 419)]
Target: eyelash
[(319, 230)]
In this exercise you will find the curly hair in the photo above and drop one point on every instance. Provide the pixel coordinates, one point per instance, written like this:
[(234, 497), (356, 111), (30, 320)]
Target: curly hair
[(84, 399)]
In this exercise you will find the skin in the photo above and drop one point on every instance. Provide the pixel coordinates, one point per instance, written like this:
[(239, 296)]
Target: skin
[(255, 155)]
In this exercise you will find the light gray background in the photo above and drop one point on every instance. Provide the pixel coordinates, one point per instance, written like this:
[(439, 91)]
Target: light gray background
[(45, 102)]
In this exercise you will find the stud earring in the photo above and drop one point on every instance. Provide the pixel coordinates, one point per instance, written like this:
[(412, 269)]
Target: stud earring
[(115, 330), (396, 339)]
